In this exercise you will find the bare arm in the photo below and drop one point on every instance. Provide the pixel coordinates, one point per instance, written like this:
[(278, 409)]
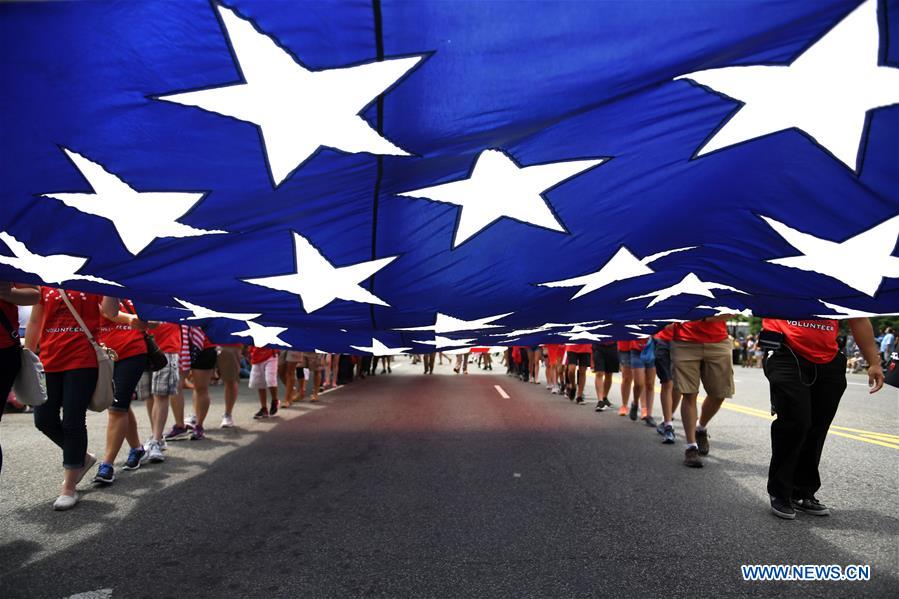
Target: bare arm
[(109, 308), (23, 295), (864, 338), (33, 328)]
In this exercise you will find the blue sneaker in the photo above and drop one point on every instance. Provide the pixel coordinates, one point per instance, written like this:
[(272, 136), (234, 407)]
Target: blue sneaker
[(669, 435), (135, 457), (632, 413), (105, 474), (660, 428)]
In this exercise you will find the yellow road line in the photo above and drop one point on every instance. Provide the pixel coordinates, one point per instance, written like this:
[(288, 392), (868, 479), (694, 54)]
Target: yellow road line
[(882, 439)]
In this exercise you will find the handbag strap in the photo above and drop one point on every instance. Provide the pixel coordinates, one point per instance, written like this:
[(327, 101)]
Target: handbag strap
[(65, 298)]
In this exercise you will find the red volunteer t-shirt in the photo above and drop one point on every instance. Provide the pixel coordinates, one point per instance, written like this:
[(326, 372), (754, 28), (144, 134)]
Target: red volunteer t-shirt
[(258, 355), (579, 348), (666, 334), (814, 340), (697, 331), (168, 337), (11, 311), (126, 341), (64, 346)]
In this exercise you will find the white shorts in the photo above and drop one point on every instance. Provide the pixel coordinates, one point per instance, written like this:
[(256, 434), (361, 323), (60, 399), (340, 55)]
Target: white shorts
[(264, 375)]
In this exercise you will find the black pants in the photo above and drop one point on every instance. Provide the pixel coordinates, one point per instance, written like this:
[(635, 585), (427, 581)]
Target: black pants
[(10, 363), (126, 376), (805, 408), (69, 391)]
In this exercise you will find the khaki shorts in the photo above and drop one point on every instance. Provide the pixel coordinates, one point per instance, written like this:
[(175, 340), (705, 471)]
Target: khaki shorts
[(229, 364), (711, 363), (310, 360)]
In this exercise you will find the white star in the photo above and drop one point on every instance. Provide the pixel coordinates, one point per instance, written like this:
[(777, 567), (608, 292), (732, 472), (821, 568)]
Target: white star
[(52, 269), (450, 324), (689, 285), (444, 342), (826, 91), (199, 312), (499, 188), (379, 349), (843, 312), (623, 265), (583, 334), (318, 283), (262, 335), (298, 110), (139, 217), (861, 262), (725, 310)]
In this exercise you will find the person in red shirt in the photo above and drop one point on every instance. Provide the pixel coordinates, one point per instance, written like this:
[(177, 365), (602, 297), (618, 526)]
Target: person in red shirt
[(160, 388), (668, 397), (605, 364), (228, 362), (627, 375), (122, 331), (70, 363), (807, 378), (264, 375), (12, 295), (701, 352), (555, 352), (577, 359), (202, 359)]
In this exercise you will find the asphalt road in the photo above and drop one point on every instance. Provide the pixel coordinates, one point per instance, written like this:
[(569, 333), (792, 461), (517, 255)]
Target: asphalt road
[(406, 485)]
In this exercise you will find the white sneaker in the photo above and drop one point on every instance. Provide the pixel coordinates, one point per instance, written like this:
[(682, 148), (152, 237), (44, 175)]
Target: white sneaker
[(65, 502), (191, 420), (163, 445), (227, 421), (154, 452)]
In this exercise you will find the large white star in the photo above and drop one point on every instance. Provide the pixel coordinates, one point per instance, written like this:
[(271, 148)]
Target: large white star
[(843, 312), (52, 269), (263, 335), (825, 92), (379, 349), (861, 262), (689, 285), (200, 312), (623, 265), (298, 110), (139, 217), (318, 283), (498, 188), (449, 324)]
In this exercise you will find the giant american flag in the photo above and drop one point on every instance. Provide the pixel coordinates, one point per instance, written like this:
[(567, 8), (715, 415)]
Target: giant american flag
[(395, 176)]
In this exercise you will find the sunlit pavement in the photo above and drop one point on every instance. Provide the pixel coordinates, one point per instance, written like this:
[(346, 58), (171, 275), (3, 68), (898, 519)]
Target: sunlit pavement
[(412, 485)]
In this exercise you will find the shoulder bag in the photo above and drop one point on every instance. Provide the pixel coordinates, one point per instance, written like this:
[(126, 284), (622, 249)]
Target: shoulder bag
[(30, 385), (104, 392)]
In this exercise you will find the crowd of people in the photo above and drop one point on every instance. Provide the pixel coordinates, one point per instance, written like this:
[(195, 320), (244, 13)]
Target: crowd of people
[(805, 362)]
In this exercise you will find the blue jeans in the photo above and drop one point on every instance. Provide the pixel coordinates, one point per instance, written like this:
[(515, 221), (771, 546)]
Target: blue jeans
[(69, 391)]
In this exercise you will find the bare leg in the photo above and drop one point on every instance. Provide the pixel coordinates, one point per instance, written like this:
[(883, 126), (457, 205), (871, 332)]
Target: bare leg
[(638, 379), (231, 389), (649, 389), (159, 416), (316, 382), (599, 380), (581, 380), (626, 382), (201, 394), (177, 401), (607, 386), (688, 416), (710, 407), (262, 404), (116, 425)]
